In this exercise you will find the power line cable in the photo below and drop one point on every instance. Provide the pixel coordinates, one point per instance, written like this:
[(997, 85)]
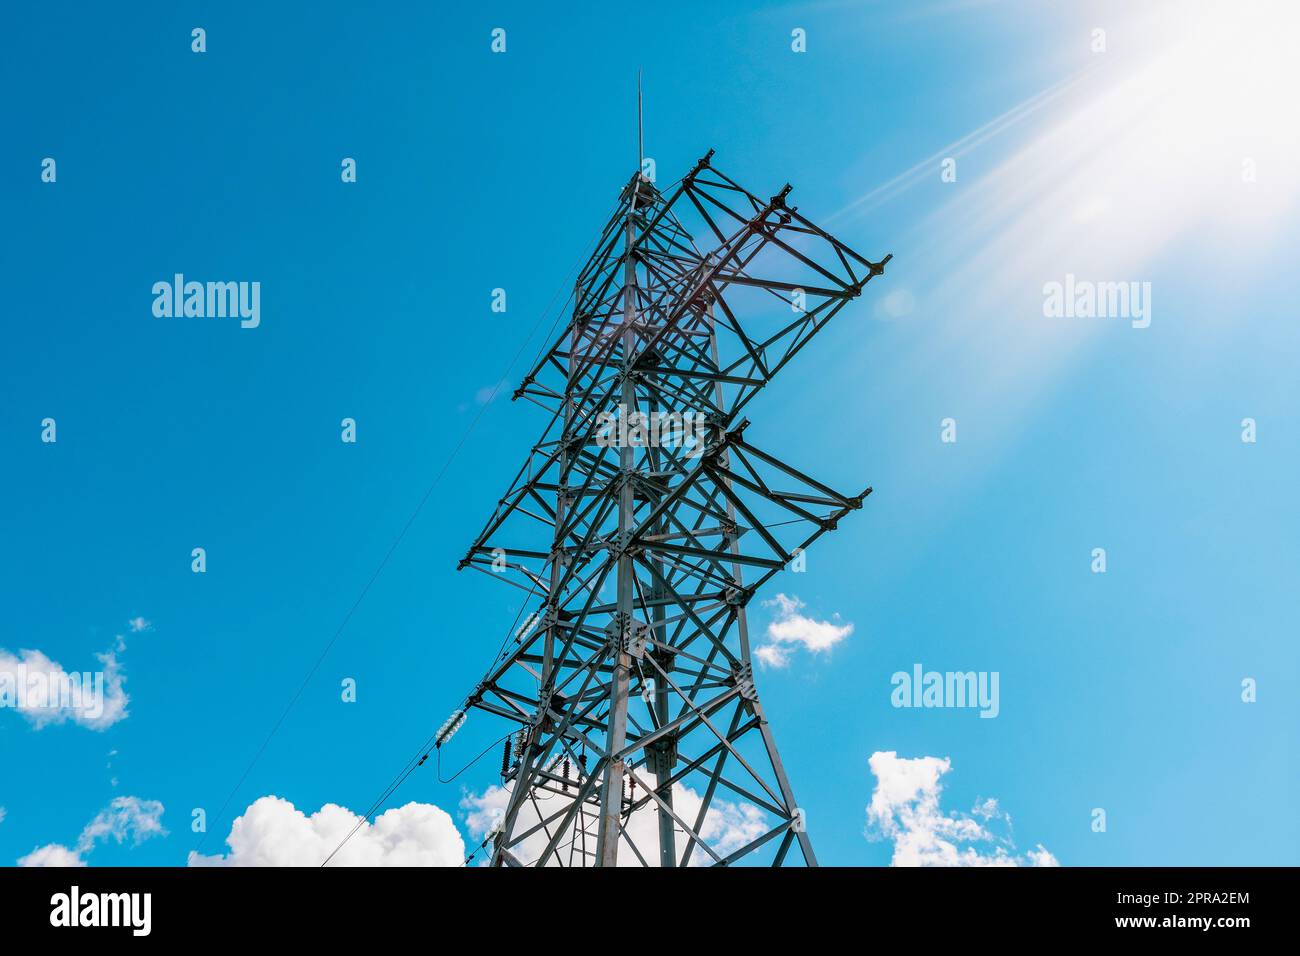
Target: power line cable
[(396, 542)]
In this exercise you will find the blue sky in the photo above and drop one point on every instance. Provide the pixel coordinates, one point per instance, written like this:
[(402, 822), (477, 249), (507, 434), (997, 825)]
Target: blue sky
[(1119, 691)]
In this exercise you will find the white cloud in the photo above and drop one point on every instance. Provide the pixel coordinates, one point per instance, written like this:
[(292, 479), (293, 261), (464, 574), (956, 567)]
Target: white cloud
[(273, 832), (905, 809), (727, 826), (53, 854), (125, 818), (791, 630), (2, 814), (1041, 856), (43, 692)]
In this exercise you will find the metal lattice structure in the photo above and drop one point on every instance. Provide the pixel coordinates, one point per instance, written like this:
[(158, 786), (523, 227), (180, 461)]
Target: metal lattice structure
[(641, 737)]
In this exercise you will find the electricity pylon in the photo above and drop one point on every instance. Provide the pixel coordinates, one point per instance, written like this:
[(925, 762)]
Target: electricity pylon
[(641, 737)]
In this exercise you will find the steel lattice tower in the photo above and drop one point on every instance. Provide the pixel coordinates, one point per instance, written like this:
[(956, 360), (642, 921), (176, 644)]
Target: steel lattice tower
[(641, 738)]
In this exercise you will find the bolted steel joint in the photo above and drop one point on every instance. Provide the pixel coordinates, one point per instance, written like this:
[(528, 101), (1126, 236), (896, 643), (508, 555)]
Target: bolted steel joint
[(742, 676), (629, 635), (737, 597)]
